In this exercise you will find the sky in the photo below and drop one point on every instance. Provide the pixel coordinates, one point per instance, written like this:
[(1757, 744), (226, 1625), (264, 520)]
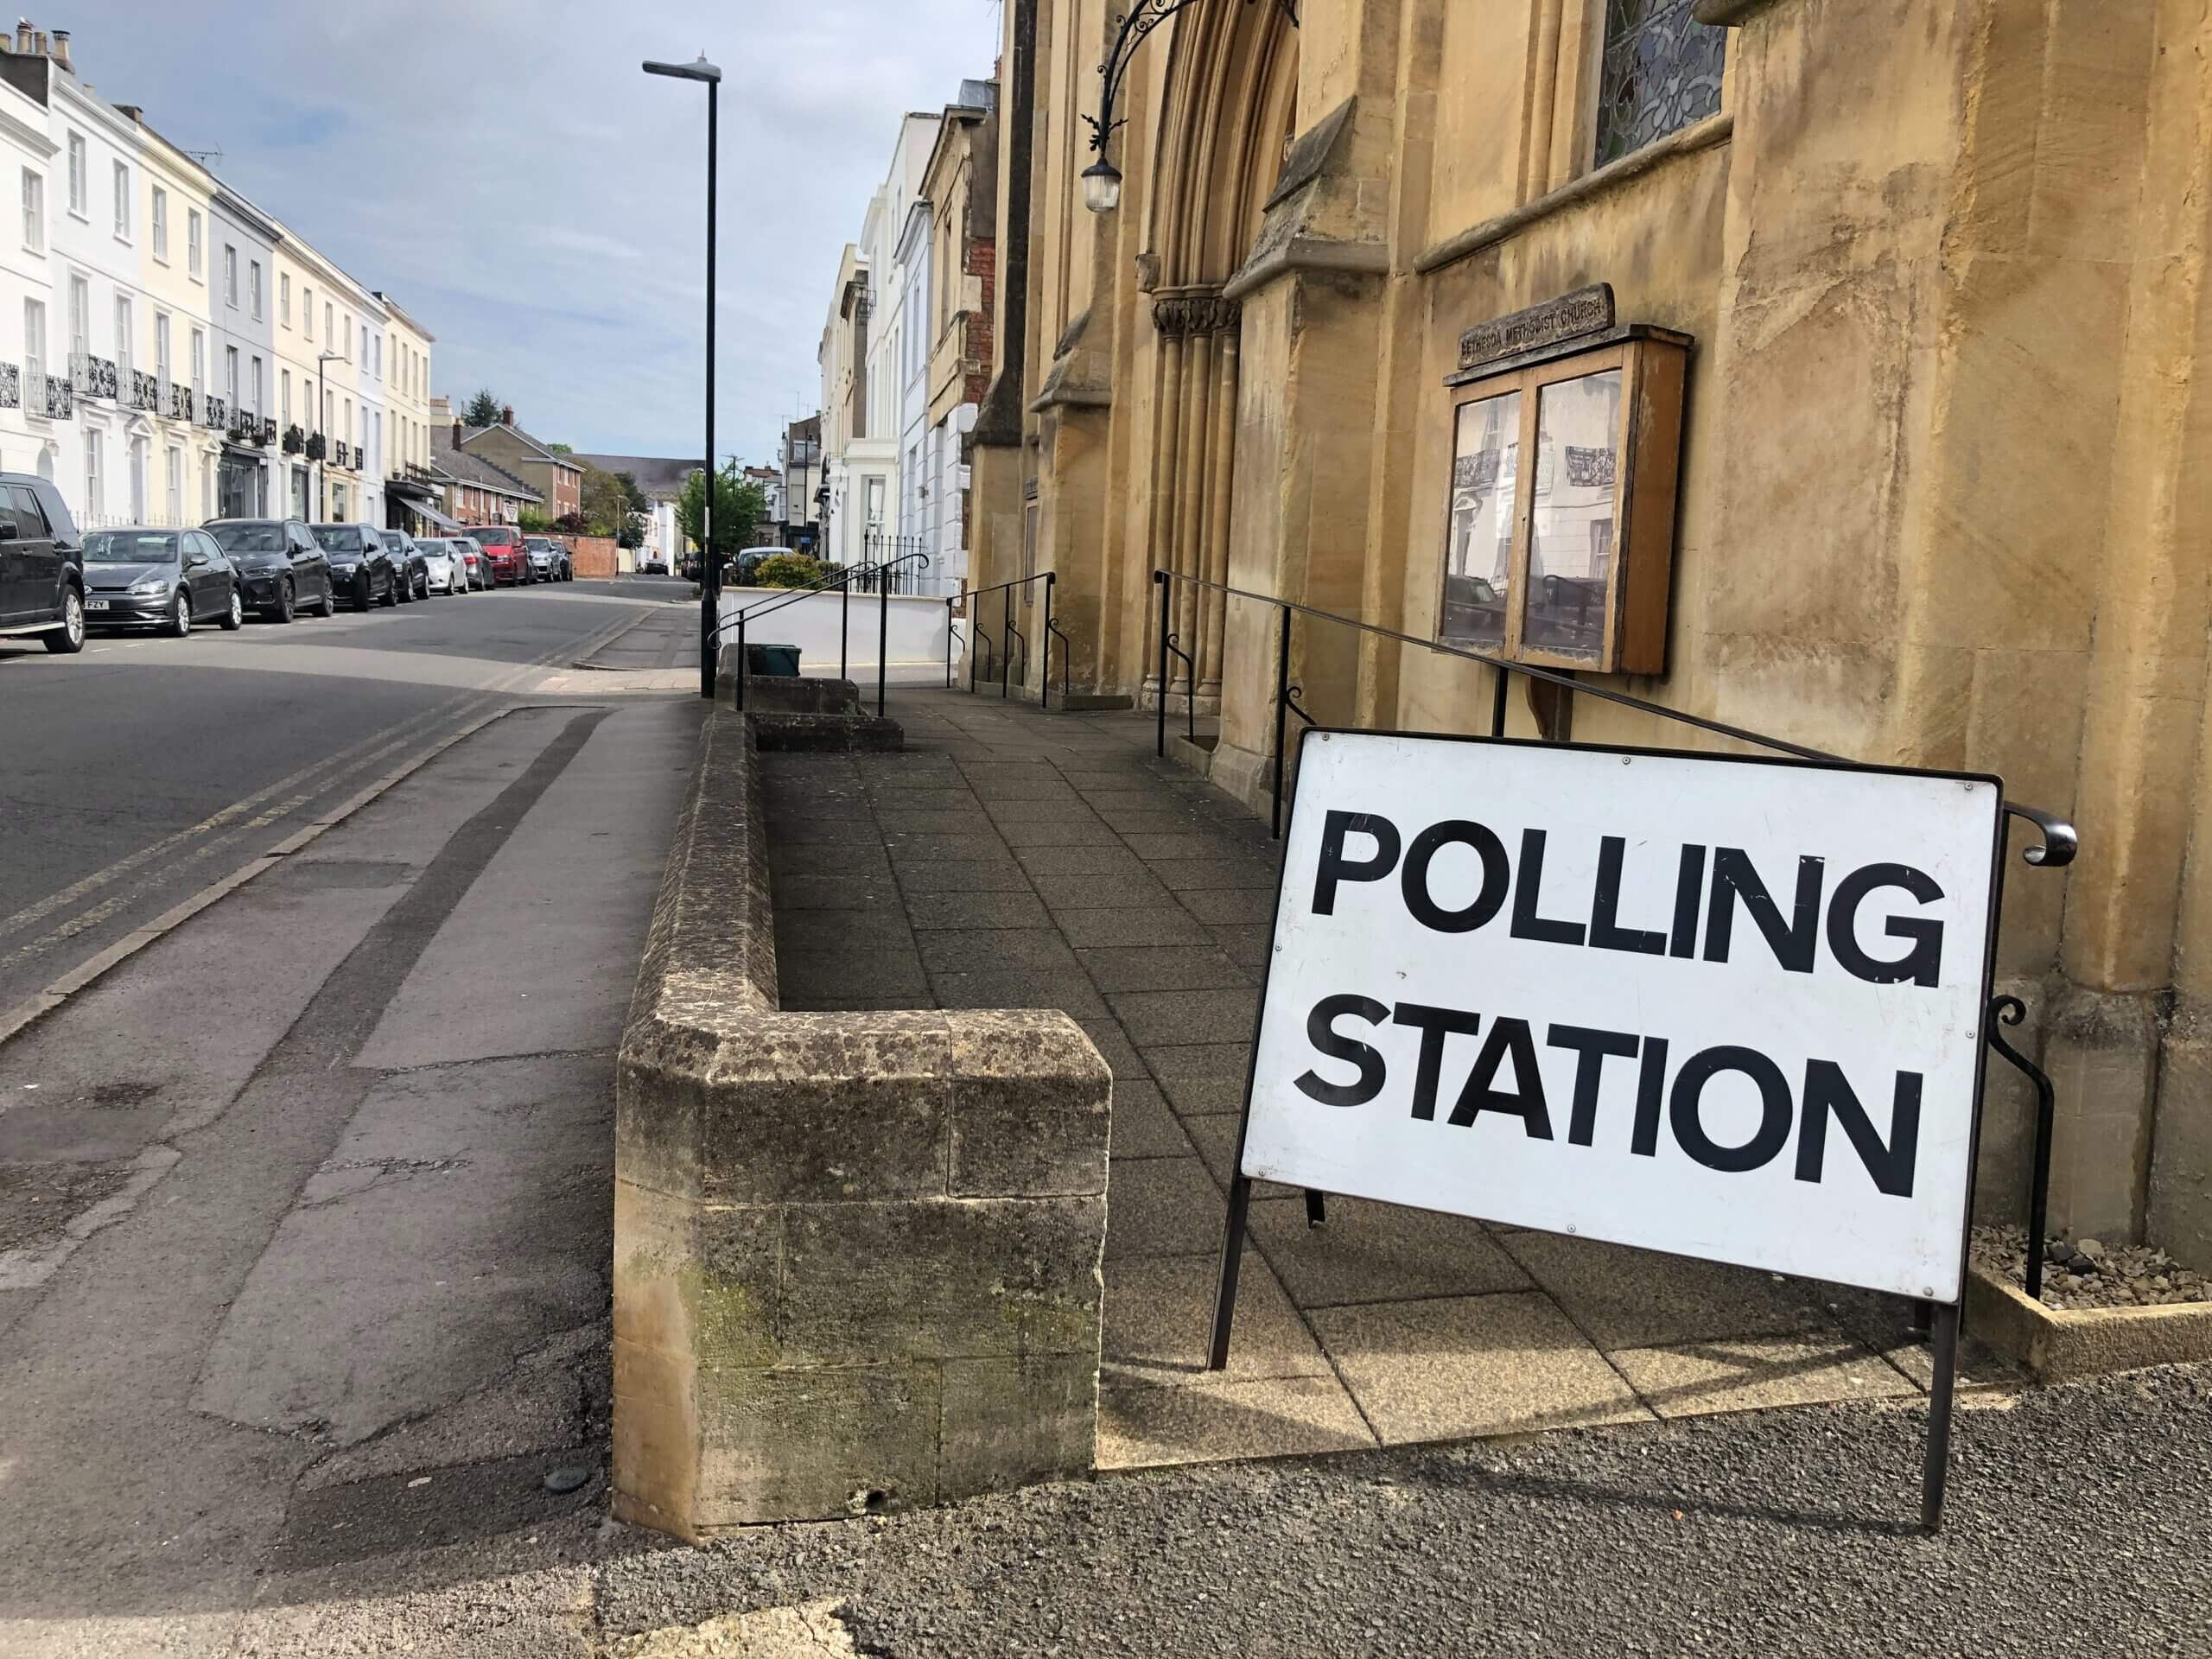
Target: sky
[(505, 171)]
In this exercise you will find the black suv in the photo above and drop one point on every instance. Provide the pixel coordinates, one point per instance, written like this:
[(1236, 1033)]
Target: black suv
[(41, 565), (411, 566), (281, 571), (359, 564)]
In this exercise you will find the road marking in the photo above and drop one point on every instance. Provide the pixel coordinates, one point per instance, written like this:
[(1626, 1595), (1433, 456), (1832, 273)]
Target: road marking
[(367, 748), (14, 1019)]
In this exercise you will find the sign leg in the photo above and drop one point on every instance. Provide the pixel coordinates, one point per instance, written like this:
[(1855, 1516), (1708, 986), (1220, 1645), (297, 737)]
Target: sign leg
[(1232, 1257), (1938, 1465)]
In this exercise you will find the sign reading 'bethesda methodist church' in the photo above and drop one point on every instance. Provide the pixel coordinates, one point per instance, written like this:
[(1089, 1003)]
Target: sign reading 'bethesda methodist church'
[(1723, 1008)]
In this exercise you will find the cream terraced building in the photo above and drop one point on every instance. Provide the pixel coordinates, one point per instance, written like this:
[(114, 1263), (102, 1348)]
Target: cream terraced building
[(161, 336)]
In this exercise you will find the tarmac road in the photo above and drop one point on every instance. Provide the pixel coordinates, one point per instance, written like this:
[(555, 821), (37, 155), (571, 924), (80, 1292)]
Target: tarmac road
[(145, 768)]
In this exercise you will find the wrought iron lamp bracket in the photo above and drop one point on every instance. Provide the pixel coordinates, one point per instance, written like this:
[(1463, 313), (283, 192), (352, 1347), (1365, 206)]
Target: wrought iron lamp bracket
[(1134, 26)]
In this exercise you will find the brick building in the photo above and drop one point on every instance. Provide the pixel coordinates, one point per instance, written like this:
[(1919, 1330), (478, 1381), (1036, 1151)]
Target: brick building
[(559, 479)]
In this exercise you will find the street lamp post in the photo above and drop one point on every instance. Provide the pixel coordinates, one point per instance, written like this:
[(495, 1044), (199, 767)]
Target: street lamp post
[(709, 572), (323, 425)]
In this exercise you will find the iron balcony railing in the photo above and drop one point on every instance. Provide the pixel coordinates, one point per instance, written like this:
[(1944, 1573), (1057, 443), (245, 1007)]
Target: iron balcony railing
[(48, 395), (214, 413), (91, 376), (11, 386), (145, 391)]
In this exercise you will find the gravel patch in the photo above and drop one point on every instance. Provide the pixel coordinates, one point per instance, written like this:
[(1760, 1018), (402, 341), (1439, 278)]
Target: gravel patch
[(2086, 1272)]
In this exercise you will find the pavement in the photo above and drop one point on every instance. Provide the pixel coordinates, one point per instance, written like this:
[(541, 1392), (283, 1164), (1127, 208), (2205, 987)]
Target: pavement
[(1015, 859), (304, 1306)]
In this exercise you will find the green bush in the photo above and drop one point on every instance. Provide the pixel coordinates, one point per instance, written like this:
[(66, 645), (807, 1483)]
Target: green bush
[(787, 570)]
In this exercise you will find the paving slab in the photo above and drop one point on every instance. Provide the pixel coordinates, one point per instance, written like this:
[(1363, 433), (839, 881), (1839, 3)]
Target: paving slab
[(1639, 1299), (1163, 1206), (1748, 1374), (1159, 1321), (1364, 1248), (1466, 1366), (1142, 1427), (1143, 1125)]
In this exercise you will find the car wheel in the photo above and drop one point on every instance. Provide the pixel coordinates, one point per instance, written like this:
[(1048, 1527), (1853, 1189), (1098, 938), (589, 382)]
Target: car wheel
[(179, 625), (69, 639), (234, 617), (363, 596), (328, 605), (287, 603), (390, 594)]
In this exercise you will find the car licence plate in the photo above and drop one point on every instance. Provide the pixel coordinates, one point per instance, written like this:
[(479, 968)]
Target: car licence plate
[(96, 604)]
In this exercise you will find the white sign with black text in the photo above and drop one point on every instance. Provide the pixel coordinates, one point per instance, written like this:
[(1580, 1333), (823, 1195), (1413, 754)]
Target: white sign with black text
[(1728, 1008)]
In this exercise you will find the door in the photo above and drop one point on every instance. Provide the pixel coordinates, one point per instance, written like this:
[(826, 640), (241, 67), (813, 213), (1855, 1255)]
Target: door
[(310, 567), (38, 558), (15, 584), (206, 575)]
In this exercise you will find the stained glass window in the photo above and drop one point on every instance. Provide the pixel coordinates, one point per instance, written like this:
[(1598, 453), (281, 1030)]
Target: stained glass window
[(1661, 71)]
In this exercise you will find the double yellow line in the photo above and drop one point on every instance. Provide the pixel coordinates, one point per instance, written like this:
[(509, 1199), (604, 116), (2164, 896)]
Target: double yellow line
[(446, 724)]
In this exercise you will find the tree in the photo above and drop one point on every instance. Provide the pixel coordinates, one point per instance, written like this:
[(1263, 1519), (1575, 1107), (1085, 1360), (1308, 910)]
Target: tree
[(562, 448), (531, 522), (739, 506), (483, 410), (614, 505)]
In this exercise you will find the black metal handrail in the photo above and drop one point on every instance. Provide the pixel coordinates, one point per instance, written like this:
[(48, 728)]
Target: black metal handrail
[(842, 584), (2059, 841), (2057, 846), (1008, 633)]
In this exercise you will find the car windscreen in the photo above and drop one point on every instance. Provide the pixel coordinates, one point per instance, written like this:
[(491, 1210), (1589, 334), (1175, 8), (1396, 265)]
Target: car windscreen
[(338, 539), (131, 547), (248, 538), (433, 548), (496, 538)]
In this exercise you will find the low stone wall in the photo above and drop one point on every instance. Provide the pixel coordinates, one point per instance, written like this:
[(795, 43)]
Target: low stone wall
[(857, 1256), (592, 556)]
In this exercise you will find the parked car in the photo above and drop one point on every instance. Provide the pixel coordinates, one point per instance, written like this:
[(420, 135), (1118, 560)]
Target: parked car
[(281, 571), (654, 564), (502, 543), (41, 565), (142, 577), (478, 561), (443, 569), (548, 559), (358, 564), (407, 564)]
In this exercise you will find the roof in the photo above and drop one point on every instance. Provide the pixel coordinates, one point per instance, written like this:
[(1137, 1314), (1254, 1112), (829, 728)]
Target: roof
[(465, 468), (470, 434), (657, 476)]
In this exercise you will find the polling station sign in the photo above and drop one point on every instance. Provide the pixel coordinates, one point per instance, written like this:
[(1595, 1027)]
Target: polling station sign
[(1729, 1009)]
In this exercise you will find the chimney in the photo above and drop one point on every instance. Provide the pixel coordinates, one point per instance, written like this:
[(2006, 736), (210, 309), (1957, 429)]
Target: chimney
[(61, 51), (507, 415), (23, 35), (38, 43), (456, 434)]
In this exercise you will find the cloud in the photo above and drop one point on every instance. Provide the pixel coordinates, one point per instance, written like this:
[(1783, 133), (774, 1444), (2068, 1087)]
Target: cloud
[(505, 170)]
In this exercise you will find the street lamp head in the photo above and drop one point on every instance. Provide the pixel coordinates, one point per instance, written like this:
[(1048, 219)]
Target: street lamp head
[(699, 69), (1102, 187)]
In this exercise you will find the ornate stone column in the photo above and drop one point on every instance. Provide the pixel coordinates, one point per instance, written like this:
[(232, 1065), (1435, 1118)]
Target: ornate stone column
[(1193, 456)]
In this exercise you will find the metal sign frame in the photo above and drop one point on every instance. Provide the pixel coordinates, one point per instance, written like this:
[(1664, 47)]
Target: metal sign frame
[(1945, 1322)]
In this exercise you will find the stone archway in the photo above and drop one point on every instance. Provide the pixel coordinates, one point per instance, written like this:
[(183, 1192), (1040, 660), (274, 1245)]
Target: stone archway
[(1226, 119)]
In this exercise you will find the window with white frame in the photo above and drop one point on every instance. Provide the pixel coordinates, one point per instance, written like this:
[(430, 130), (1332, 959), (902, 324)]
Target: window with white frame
[(378, 370), (376, 442), (79, 184), (284, 297), (329, 323), (123, 352), (229, 276), (199, 363), (81, 316), (34, 348), (192, 243), (254, 289), (122, 199), (307, 311), (254, 385), (175, 492), (161, 350), (34, 212), (231, 377), (138, 480), (161, 225), (92, 470), (284, 395)]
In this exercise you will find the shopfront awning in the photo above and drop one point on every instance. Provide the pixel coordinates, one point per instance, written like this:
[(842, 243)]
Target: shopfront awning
[(437, 520)]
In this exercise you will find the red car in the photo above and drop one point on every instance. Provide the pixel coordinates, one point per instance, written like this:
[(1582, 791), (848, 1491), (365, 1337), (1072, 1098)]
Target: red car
[(502, 544)]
